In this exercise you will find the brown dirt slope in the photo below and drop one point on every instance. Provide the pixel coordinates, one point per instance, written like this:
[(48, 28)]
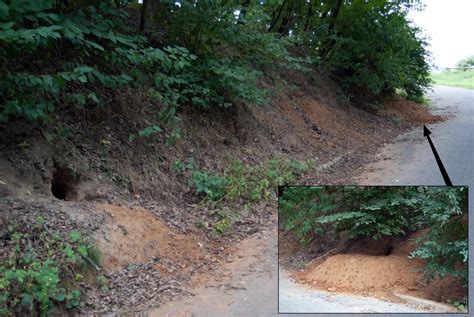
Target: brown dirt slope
[(379, 275), (410, 111), (301, 123), (97, 164)]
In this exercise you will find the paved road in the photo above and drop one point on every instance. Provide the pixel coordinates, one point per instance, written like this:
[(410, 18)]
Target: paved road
[(251, 289), (410, 161), (296, 298)]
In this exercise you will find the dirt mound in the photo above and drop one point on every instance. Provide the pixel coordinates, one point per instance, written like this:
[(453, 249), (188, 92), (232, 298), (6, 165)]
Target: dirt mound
[(134, 235), (363, 273), (409, 111), (379, 275)]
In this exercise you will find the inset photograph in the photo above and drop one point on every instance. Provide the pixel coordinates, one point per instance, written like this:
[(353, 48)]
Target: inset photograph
[(380, 249)]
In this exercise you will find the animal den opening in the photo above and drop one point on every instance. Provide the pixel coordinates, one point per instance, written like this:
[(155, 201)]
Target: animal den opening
[(63, 184), (382, 247)]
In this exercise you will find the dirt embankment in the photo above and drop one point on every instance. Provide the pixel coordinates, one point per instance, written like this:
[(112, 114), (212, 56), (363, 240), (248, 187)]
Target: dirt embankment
[(140, 213), (365, 272)]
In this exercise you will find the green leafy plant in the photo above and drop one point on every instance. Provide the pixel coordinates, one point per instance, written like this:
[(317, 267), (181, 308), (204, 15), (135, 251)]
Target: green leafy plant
[(213, 186), (445, 246), (37, 273), (242, 182), (60, 57), (148, 131), (221, 226)]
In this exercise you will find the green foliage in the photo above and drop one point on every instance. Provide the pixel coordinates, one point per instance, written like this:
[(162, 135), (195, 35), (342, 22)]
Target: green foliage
[(244, 182), (102, 280), (213, 186), (258, 182), (376, 50), (466, 62), (71, 56), (94, 34), (31, 29), (239, 183), (299, 213), (445, 247), (364, 211), (221, 226), (457, 304), (86, 48), (385, 211), (36, 274), (148, 131), (230, 54)]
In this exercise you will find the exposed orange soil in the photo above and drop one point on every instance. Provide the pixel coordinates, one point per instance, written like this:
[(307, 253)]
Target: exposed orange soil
[(409, 111), (379, 275), (134, 235)]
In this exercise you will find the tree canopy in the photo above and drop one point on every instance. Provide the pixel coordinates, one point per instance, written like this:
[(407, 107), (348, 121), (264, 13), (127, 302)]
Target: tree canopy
[(74, 55)]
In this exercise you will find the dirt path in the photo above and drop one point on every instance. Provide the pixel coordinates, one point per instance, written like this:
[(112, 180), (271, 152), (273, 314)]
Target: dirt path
[(245, 285)]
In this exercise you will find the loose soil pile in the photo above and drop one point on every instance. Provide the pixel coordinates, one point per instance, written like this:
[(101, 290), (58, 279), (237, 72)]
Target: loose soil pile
[(379, 275), (134, 235), (408, 110)]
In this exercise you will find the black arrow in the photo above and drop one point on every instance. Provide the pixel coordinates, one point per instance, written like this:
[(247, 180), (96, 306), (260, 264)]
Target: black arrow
[(426, 133)]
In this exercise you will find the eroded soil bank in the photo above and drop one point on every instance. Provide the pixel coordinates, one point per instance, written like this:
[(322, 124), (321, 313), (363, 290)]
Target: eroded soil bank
[(153, 234)]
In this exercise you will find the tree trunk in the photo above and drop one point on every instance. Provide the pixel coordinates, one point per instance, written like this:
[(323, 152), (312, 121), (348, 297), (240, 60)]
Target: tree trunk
[(143, 16), (243, 11), (332, 23), (309, 15), (277, 17)]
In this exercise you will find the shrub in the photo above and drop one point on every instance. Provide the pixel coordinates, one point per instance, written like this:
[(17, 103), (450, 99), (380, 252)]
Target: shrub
[(39, 271), (445, 247), (376, 51), (60, 40), (466, 62), (242, 182)]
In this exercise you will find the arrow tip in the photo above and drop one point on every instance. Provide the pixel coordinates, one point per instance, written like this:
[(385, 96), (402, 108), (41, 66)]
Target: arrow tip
[(426, 132)]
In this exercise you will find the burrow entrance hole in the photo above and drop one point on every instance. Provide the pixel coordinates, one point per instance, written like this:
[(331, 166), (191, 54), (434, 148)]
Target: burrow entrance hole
[(63, 184), (388, 250), (383, 246)]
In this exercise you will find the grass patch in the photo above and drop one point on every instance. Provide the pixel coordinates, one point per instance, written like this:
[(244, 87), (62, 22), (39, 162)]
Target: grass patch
[(463, 79)]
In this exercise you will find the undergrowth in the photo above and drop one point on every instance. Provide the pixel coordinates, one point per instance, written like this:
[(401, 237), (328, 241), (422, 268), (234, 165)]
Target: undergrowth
[(239, 184), (42, 269), (62, 57)]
